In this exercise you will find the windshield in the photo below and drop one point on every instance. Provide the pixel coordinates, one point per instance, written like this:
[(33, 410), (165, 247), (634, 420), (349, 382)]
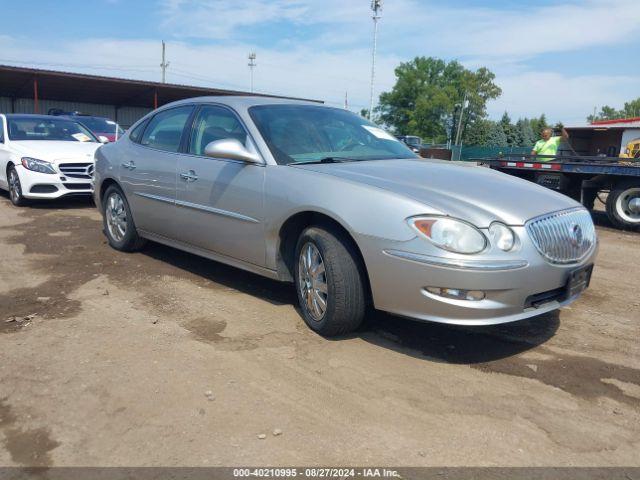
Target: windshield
[(414, 141), (100, 125), (308, 133), (48, 129)]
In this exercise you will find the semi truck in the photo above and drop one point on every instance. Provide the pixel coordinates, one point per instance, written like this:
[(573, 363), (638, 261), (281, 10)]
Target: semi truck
[(599, 162)]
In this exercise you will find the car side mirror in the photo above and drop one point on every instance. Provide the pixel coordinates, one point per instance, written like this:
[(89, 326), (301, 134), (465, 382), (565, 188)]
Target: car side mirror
[(231, 149), (103, 139)]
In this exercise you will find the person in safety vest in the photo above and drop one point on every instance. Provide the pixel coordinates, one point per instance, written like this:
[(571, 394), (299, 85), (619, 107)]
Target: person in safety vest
[(548, 144)]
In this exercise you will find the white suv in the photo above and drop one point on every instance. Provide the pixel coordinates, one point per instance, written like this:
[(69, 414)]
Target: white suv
[(45, 157)]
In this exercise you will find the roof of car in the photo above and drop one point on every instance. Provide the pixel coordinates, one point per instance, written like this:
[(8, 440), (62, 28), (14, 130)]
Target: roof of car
[(241, 101), (33, 116)]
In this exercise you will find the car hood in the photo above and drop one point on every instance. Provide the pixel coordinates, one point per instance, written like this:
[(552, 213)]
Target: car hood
[(56, 151), (476, 194)]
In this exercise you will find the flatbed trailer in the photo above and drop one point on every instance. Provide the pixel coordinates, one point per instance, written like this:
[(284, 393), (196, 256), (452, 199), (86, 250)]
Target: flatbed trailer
[(584, 178)]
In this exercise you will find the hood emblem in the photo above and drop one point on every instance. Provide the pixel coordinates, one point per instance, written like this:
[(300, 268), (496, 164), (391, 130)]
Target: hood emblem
[(576, 237)]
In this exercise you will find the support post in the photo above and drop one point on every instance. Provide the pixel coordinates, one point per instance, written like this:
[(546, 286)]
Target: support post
[(36, 108), (155, 99)]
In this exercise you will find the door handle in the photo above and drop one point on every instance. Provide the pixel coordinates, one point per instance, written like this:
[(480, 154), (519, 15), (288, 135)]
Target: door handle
[(130, 165), (189, 176)]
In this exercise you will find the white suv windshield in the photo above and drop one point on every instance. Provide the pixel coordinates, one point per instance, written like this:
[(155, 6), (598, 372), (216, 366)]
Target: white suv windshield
[(308, 133), (25, 128)]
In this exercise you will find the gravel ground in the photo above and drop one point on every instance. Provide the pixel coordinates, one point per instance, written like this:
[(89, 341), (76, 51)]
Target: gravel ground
[(163, 358)]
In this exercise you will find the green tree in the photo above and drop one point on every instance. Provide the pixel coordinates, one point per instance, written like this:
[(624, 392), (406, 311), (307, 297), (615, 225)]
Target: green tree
[(496, 136), (427, 96), (525, 132), (477, 133)]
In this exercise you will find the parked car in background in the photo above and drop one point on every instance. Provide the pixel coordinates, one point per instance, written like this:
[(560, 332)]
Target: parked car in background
[(413, 142), (100, 126), (320, 197), (45, 157)]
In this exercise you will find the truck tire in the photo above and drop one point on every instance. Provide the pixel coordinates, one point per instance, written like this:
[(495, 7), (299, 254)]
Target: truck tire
[(329, 282), (623, 204)]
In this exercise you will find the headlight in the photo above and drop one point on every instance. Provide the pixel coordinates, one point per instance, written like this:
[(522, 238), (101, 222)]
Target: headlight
[(37, 165), (450, 234), (502, 236)]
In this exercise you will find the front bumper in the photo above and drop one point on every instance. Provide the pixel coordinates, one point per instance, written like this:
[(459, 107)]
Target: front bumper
[(37, 185), (517, 286)]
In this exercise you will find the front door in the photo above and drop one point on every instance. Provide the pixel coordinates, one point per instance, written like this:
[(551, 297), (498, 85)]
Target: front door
[(219, 202), (148, 172)]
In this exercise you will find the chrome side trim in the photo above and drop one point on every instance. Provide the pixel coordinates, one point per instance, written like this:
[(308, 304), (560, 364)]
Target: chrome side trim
[(460, 264), (216, 211), (156, 197)]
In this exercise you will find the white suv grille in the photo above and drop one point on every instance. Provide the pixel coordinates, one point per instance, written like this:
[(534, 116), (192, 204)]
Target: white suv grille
[(563, 237)]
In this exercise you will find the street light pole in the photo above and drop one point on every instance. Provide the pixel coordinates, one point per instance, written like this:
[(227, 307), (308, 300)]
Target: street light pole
[(164, 63), (376, 7), (252, 63)]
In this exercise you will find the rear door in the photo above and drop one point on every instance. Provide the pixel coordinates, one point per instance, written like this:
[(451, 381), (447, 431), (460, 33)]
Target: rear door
[(220, 201), (148, 171)]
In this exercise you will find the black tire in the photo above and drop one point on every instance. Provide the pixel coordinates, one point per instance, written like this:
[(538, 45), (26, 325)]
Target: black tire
[(344, 278), (15, 187), (617, 200), (129, 240)]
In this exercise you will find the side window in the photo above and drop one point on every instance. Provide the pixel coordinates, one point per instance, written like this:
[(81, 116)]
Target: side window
[(137, 132), (1, 130), (164, 130), (215, 123)]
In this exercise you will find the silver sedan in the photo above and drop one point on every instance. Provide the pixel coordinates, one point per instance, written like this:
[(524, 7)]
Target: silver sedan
[(322, 198)]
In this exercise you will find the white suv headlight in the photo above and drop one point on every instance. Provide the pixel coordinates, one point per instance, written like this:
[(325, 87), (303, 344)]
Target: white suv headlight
[(502, 236), (450, 234), (36, 165)]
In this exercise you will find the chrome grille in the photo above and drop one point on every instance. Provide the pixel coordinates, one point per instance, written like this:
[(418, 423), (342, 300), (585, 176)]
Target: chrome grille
[(563, 237), (77, 170)]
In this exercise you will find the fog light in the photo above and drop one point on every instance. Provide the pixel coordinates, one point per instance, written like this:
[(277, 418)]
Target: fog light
[(457, 294)]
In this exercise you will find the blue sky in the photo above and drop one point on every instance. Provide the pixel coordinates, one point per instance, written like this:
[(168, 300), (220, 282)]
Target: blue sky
[(560, 57)]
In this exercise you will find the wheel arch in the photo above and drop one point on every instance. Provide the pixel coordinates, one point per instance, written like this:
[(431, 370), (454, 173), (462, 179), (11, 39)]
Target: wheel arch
[(291, 230)]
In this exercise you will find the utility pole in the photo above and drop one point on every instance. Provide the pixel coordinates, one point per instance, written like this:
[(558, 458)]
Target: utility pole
[(164, 63), (376, 7), (462, 107), (252, 63), (346, 100)]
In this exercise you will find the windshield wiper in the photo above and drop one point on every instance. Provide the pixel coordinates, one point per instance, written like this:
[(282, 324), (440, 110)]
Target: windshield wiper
[(329, 160)]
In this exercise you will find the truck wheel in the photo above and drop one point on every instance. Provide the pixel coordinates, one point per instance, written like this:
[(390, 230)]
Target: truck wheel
[(329, 282), (623, 205)]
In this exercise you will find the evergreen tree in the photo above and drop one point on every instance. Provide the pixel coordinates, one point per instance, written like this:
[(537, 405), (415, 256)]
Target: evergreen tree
[(496, 136)]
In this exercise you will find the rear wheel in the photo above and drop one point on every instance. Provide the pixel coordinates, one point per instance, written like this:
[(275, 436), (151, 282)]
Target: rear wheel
[(118, 223), (329, 282), (15, 188), (623, 205)]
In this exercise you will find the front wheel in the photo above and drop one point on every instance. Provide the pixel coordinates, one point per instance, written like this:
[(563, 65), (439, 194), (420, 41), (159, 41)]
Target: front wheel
[(623, 205), (15, 188), (329, 282), (118, 223)]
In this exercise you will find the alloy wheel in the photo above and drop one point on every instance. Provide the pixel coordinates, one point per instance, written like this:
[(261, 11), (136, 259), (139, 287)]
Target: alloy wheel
[(116, 215), (15, 189), (312, 281)]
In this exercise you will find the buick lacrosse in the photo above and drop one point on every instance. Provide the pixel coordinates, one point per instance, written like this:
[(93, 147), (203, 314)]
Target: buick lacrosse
[(320, 197)]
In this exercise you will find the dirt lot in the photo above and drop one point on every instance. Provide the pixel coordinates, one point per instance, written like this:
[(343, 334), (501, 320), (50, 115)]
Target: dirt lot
[(116, 365)]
